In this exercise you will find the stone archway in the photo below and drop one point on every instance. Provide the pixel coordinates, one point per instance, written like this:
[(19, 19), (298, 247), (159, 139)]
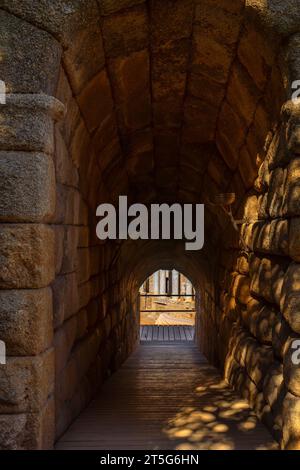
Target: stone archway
[(112, 100)]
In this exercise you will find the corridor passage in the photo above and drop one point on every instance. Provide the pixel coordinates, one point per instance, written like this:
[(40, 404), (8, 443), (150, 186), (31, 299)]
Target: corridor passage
[(166, 396)]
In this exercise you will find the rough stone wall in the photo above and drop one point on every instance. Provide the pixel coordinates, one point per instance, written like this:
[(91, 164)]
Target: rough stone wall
[(257, 316), (94, 328)]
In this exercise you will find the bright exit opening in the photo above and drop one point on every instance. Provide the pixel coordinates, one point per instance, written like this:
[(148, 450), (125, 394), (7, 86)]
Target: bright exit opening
[(167, 307)]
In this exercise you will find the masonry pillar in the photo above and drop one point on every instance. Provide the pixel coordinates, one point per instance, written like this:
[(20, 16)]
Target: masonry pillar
[(27, 250)]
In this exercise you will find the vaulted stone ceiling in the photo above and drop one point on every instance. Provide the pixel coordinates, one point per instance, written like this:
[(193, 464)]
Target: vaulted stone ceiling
[(177, 97)]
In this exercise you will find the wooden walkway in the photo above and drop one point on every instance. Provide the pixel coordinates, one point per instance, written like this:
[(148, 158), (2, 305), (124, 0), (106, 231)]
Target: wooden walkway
[(165, 397), (166, 333)]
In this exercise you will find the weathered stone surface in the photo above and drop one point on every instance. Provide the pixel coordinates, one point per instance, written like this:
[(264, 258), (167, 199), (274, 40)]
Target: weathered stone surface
[(12, 429), (280, 335), (291, 422), (260, 320), (291, 367), (270, 237), (84, 53), (27, 122), (259, 66), (64, 339), (210, 57), (294, 239), (290, 298), (26, 256), (31, 50), (267, 277), (27, 186), (65, 170), (291, 205), (107, 7), (273, 383), (70, 243), (247, 168), (258, 359), (180, 16), (242, 94), (65, 298), (125, 32), (22, 374), (26, 321), (230, 136), (95, 92), (130, 82), (241, 289), (276, 193)]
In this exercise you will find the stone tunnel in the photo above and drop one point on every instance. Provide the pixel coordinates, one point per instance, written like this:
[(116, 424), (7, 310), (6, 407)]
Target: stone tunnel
[(162, 101)]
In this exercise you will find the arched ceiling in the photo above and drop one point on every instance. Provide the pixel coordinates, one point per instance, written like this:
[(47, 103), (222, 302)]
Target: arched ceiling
[(177, 96)]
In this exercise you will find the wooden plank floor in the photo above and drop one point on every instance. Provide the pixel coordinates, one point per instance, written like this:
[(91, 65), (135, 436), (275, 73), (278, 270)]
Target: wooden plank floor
[(167, 333), (166, 396)]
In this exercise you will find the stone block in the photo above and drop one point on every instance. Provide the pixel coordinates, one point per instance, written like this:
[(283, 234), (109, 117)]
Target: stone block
[(272, 237), (26, 321), (81, 34), (273, 383), (241, 289), (258, 68), (26, 256), (65, 170), (280, 334), (291, 422), (12, 429), (26, 382), (31, 50), (247, 168), (231, 135), (70, 259), (80, 143), (179, 24), (27, 186), (242, 94), (59, 233), (84, 265), (258, 360), (290, 297), (276, 193), (294, 239), (209, 56), (96, 91), (291, 369), (267, 277), (131, 87), (64, 340), (65, 298), (107, 7), (291, 204), (28, 122), (125, 32)]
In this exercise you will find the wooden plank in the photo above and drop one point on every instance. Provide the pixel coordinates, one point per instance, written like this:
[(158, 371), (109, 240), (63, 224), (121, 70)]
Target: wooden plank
[(188, 332), (177, 333), (166, 333), (155, 333), (171, 333), (155, 394), (160, 333), (182, 334)]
